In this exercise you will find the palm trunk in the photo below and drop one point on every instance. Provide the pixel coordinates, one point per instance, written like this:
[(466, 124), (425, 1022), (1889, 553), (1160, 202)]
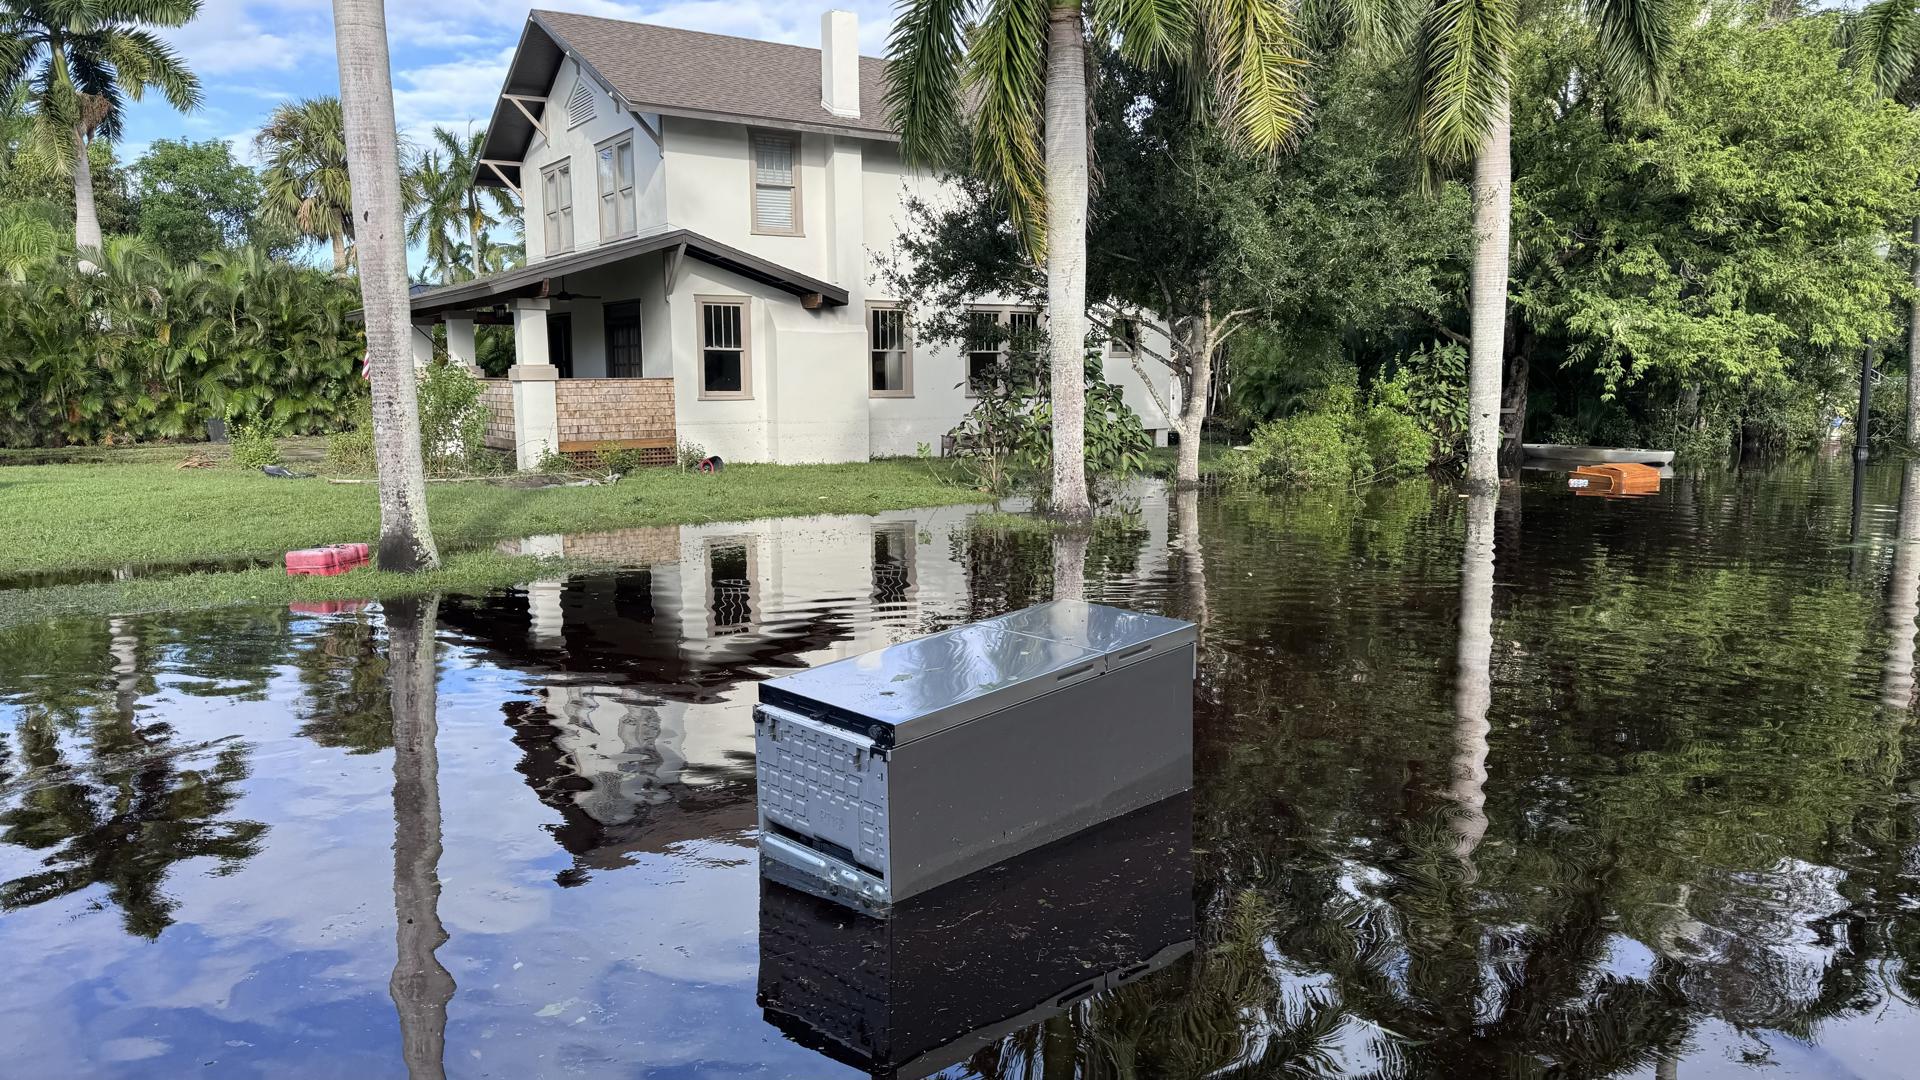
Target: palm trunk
[(86, 219), (1492, 214), (1473, 682), (1067, 255), (1913, 346), (421, 986), (473, 242), (339, 252), (373, 169)]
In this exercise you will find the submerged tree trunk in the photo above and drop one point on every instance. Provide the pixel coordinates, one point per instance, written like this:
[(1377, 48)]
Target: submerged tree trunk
[(1903, 598), (1070, 563), (1913, 346), (1198, 387), (1517, 367), (421, 986), (1473, 681), (86, 218), (373, 169), (1067, 255), (1492, 213)]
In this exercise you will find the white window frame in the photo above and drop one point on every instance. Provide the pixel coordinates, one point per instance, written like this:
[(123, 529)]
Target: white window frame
[(753, 183), (700, 306), (620, 191), (905, 350), (1003, 318), (556, 183)]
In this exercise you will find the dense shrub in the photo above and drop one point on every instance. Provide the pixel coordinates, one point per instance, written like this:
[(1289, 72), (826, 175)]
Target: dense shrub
[(351, 450), (453, 427), (144, 350), (1336, 441), (252, 440)]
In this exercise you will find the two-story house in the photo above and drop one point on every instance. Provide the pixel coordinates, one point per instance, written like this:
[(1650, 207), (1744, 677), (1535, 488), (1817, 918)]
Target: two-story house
[(705, 220)]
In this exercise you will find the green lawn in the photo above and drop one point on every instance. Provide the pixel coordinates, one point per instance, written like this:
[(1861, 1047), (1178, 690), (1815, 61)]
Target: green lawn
[(137, 508)]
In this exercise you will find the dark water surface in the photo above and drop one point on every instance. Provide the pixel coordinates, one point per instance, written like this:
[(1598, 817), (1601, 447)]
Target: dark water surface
[(1566, 787)]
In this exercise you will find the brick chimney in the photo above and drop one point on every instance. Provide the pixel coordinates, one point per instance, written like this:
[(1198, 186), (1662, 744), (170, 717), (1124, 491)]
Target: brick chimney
[(840, 63)]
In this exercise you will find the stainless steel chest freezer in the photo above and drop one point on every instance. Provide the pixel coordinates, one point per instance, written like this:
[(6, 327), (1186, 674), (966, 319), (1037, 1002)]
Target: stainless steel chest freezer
[(962, 966), (886, 774)]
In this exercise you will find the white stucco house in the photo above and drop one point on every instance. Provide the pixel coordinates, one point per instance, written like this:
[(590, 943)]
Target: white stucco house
[(706, 219)]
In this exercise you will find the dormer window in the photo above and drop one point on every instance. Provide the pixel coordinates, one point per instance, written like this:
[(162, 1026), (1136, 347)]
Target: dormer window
[(776, 183)]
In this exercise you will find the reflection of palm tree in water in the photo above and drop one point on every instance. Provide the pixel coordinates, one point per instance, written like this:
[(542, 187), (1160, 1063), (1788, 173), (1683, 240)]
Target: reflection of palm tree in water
[(1193, 562), (421, 986), (1070, 562), (1903, 602), (1473, 688), (123, 815)]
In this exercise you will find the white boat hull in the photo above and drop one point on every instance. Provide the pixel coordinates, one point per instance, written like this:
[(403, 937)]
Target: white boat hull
[(1596, 455)]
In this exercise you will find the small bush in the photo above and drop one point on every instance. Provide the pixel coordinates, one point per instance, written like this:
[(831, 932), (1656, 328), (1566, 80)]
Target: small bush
[(553, 462), (352, 450), (620, 459), (689, 455), (252, 440), (453, 420), (1337, 442), (1397, 445)]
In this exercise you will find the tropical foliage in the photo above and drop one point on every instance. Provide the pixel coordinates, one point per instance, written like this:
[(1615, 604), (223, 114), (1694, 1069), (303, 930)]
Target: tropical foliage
[(304, 145), (141, 349)]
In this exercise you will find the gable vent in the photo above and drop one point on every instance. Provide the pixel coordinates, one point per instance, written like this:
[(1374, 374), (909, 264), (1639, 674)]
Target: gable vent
[(579, 104)]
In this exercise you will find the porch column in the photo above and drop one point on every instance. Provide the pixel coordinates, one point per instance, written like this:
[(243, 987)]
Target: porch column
[(536, 420), (421, 339), (460, 347)]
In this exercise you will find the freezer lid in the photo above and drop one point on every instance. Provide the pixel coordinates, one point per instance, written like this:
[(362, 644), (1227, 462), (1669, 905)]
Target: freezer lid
[(916, 688), (1120, 635)]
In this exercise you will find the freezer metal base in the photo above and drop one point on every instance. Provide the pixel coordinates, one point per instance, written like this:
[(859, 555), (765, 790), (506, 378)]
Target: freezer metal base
[(886, 775)]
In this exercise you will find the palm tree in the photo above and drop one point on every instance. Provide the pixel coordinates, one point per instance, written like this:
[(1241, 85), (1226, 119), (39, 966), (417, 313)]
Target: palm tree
[(1884, 38), (1019, 69), (83, 60), (431, 193), (1462, 112), (304, 145), (373, 171)]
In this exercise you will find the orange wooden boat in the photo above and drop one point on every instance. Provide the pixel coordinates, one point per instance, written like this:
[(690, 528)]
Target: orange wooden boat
[(1624, 479)]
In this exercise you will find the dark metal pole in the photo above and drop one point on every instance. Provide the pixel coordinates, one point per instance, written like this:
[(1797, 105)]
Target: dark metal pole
[(1866, 402)]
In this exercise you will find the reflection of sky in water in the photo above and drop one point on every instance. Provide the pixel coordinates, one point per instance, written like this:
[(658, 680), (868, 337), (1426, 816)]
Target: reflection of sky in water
[(600, 890)]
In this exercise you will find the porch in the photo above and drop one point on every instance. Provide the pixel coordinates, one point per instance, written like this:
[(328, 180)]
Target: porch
[(592, 414), (596, 344)]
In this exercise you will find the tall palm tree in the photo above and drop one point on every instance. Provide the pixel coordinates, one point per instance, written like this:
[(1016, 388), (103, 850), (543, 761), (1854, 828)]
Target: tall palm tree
[(304, 145), (1462, 112), (1018, 70), (478, 208), (373, 170), (1884, 38), (83, 60), (431, 193)]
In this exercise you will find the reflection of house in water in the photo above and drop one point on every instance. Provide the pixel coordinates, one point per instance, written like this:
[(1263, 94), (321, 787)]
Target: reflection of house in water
[(640, 733)]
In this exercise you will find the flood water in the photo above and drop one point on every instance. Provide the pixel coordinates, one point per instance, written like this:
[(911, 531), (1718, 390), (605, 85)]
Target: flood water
[(1563, 787)]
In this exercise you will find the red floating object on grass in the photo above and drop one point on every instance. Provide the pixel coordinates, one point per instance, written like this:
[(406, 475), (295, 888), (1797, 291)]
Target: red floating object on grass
[(327, 561)]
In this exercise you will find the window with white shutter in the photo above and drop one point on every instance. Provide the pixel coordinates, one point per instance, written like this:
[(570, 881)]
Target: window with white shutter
[(613, 170), (556, 196), (776, 183)]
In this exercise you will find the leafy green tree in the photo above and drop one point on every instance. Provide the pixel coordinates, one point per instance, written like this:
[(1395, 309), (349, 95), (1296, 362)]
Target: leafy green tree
[(1020, 68), (306, 186), (1464, 56), (1884, 38), (83, 60), (193, 198), (1721, 244)]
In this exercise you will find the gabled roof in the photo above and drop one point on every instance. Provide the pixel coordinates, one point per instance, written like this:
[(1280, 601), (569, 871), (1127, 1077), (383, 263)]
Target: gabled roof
[(532, 279), (659, 69)]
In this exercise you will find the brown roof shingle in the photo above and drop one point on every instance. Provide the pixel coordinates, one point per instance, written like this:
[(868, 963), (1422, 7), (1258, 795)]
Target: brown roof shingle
[(659, 68)]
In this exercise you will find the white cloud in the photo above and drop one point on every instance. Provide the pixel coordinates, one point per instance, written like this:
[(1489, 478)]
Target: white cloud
[(255, 35), (449, 93)]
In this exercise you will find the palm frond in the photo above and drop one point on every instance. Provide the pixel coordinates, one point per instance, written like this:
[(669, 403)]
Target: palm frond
[(1462, 61), (1150, 32), (1884, 39), (1006, 77), (1259, 71), (925, 76), (1636, 37)]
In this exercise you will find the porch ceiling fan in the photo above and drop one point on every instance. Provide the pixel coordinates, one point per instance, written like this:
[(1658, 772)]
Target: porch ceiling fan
[(563, 294)]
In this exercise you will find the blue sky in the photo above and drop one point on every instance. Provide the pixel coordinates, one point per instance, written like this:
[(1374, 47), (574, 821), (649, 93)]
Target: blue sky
[(449, 56)]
